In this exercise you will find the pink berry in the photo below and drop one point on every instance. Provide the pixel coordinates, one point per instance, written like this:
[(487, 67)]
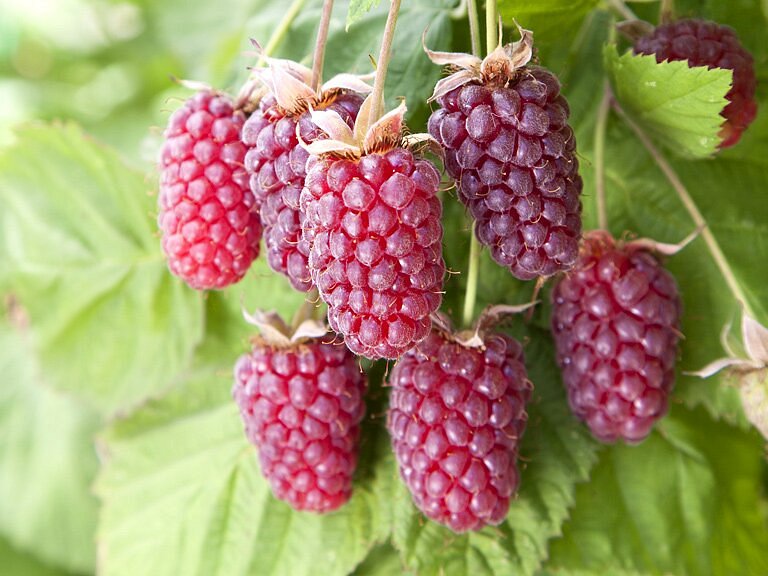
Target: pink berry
[(373, 225), (302, 406), (456, 417), (616, 322), (208, 216)]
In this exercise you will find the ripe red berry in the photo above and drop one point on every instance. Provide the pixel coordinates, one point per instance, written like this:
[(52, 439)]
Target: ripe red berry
[(376, 247), (208, 218), (456, 417), (705, 43), (615, 320), (512, 153), (302, 405), (276, 164)]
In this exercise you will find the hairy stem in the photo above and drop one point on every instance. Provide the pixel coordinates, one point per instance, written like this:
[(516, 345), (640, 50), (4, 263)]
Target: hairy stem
[(599, 152), (622, 9), (692, 209), (383, 63), (281, 30), (473, 268), (491, 25), (322, 38)]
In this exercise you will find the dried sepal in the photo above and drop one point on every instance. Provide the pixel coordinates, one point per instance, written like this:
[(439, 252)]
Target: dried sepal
[(275, 332), (348, 82), (489, 318), (500, 66), (386, 132), (754, 337), (633, 30), (663, 247)]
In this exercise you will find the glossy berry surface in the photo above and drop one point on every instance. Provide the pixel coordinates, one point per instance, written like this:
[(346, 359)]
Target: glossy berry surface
[(513, 156), (615, 320), (302, 407), (375, 233), (456, 417), (276, 164), (705, 43), (208, 216)]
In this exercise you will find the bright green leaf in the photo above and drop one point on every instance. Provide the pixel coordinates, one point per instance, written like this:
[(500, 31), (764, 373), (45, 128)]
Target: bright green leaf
[(683, 503), (556, 454), (182, 494), (110, 322), (47, 463), (358, 9), (679, 105)]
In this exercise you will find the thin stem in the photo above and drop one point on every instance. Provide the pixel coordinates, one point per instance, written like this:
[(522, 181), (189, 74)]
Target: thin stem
[(281, 30), (622, 9), (474, 26), (666, 11), (491, 25), (383, 63), (470, 296), (322, 37), (473, 268), (307, 309), (600, 129), (693, 210)]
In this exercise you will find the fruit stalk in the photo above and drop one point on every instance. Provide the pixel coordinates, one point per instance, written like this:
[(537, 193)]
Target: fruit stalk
[(383, 62), (622, 9), (322, 38), (491, 25), (600, 129), (473, 268), (691, 208), (666, 11)]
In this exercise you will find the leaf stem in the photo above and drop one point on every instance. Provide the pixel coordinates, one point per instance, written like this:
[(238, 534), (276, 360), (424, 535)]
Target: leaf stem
[(599, 153), (622, 9), (383, 62), (491, 25), (473, 267), (690, 205), (322, 38), (281, 30)]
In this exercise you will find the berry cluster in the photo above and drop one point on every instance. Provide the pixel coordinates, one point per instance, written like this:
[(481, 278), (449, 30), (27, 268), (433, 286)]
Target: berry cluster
[(350, 210)]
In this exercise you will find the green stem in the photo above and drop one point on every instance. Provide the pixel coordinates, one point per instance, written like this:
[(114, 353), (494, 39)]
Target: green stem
[(281, 30), (491, 25), (322, 37), (599, 152), (383, 62), (693, 210), (622, 9), (473, 268), (474, 26)]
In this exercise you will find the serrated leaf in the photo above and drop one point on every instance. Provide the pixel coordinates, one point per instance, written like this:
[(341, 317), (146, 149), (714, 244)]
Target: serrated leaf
[(109, 321), (683, 503), (679, 105), (47, 463), (556, 454), (358, 9), (182, 494)]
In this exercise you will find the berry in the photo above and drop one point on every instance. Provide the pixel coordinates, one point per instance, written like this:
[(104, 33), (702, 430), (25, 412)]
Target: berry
[(301, 405), (512, 153), (456, 417), (705, 43), (374, 227), (615, 320), (276, 164), (208, 215)]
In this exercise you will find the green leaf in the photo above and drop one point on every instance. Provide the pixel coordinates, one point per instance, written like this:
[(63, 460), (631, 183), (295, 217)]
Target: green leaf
[(358, 9), (182, 494), (109, 321), (15, 563), (556, 454), (683, 502), (382, 561), (679, 105), (47, 462)]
